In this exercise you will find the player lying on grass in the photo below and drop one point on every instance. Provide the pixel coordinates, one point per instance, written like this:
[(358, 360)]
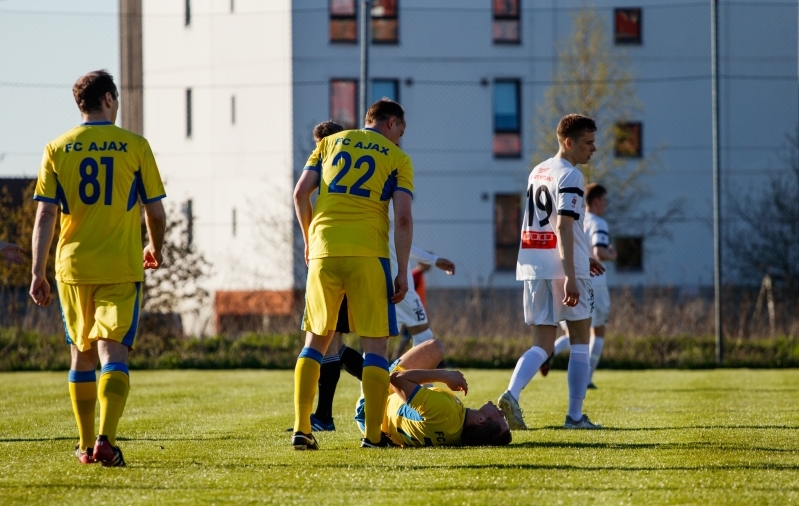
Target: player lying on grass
[(417, 415)]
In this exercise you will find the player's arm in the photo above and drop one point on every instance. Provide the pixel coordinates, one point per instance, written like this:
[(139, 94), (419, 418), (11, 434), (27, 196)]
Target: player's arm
[(11, 253), (155, 220), (605, 253), (406, 383), (565, 231), (403, 238), (425, 257), (308, 183), (43, 231)]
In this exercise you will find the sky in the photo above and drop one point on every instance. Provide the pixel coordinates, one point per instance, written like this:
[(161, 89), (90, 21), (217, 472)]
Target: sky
[(46, 46)]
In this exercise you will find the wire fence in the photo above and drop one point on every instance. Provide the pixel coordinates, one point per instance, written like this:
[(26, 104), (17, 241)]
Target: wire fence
[(46, 50)]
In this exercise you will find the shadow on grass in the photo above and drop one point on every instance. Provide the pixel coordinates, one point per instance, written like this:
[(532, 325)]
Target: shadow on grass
[(650, 446), (635, 429)]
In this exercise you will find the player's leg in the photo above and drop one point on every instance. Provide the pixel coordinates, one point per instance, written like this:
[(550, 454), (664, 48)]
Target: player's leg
[(579, 372), (539, 313), (405, 339), (77, 310), (424, 356), (412, 314), (323, 294), (350, 360), (369, 286), (599, 320), (562, 344), (329, 374), (116, 325)]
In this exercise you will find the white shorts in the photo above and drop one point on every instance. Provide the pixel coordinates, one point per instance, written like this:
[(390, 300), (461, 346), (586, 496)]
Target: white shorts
[(410, 311), (601, 306), (543, 302)]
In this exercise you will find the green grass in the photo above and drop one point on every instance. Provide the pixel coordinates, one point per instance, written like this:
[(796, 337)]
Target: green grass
[(204, 437)]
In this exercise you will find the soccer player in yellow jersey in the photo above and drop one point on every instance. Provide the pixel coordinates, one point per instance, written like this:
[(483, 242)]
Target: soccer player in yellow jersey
[(97, 173), (420, 416), (357, 173)]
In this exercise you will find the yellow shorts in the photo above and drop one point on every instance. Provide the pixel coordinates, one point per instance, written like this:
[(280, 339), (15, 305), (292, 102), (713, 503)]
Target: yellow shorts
[(91, 312), (368, 284)]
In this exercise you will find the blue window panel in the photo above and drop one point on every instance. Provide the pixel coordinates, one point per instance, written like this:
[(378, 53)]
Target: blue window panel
[(385, 88), (506, 106)]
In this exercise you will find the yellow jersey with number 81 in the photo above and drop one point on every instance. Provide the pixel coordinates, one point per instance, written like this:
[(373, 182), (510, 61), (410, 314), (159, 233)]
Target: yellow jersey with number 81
[(97, 173), (359, 172)]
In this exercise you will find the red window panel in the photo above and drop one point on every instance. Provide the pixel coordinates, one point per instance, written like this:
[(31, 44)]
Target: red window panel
[(507, 145), (627, 26), (344, 102)]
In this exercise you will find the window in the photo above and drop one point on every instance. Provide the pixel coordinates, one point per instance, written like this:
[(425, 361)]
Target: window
[(234, 222), (188, 112), (188, 13), (627, 26), (507, 121), (188, 212), (344, 102), (506, 25), (343, 21), (630, 254), (629, 140), (233, 110), (384, 88), (385, 27), (507, 226)]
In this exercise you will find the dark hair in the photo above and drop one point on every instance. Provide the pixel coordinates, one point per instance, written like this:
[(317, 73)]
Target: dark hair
[(90, 89), (572, 126), (326, 128), (593, 191), (384, 109), (489, 433)]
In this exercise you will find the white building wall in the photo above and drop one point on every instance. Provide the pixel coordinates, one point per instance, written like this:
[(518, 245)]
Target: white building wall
[(246, 165), (277, 59)]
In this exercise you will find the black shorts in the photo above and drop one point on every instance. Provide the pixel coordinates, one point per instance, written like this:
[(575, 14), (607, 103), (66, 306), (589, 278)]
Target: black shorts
[(343, 323)]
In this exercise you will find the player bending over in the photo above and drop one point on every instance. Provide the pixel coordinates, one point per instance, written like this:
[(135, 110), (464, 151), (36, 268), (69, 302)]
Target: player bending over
[(417, 415), (357, 173), (597, 235), (556, 268)]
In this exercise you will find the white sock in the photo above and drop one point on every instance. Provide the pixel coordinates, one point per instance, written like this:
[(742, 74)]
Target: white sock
[(562, 344), (578, 375), (597, 343), (526, 368), (423, 336)]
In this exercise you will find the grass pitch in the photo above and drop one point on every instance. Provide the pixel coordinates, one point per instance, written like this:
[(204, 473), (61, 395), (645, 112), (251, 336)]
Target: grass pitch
[(217, 437)]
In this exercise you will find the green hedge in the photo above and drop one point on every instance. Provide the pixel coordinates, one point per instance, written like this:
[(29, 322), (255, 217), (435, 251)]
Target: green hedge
[(22, 350)]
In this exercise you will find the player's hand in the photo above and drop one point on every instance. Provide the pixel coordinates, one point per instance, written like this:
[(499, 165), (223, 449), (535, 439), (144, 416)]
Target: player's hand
[(12, 254), (456, 382), (306, 254), (400, 287), (595, 267), (40, 291), (572, 293), (445, 265), (152, 258)]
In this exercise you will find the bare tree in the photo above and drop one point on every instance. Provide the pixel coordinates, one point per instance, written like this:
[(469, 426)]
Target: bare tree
[(591, 79), (763, 236), (175, 287)]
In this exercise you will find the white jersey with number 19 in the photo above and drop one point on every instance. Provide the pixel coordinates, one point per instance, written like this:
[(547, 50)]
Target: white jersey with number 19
[(554, 188)]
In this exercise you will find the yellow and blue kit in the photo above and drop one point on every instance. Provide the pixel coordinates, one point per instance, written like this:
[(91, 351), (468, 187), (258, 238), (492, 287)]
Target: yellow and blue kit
[(348, 250), (431, 417), (97, 173)]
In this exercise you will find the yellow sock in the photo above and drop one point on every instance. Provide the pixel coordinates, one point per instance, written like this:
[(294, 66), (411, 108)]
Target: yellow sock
[(83, 392), (113, 393), (306, 376), (375, 394)]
